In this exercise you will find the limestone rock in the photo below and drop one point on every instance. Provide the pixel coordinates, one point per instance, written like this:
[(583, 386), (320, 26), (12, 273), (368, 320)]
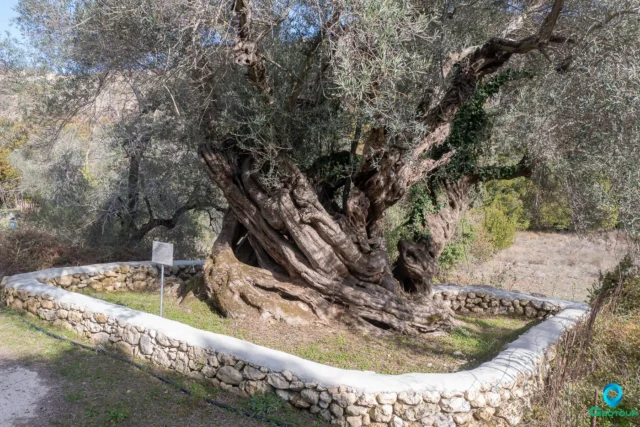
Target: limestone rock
[(227, 359), (485, 414), (277, 381), (212, 360), (253, 374), (326, 414), (310, 396), (209, 371), (493, 399), (356, 410), (256, 387), (354, 421), (100, 338), (387, 398), (530, 311), (336, 409), (476, 399), (161, 358), (410, 398), (344, 399), (439, 420), (146, 346), (283, 394), (455, 404), (229, 375), (297, 385), (382, 413), (131, 335), (326, 397), (368, 400), (65, 281), (163, 340), (417, 412), (511, 411), (462, 418), (298, 401), (431, 396), (288, 376)]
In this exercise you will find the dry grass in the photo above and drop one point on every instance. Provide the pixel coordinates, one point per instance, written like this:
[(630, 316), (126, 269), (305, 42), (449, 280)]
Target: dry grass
[(27, 249), (473, 342), (554, 264), (603, 349)]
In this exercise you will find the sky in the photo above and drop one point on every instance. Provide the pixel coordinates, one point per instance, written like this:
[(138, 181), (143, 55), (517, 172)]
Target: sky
[(6, 13)]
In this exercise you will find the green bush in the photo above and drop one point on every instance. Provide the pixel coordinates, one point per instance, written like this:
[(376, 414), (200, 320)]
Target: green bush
[(553, 214), (531, 206), (451, 256), (625, 279), (456, 251), (500, 227), (509, 197)]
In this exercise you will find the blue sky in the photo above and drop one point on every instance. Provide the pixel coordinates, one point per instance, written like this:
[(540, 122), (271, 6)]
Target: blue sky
[(6, 13)]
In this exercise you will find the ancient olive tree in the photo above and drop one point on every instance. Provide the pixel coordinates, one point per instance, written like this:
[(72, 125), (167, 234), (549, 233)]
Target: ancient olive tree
[(313, 118)]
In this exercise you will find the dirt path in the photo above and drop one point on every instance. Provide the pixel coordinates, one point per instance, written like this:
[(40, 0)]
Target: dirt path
[(553, 264), (27, 394)]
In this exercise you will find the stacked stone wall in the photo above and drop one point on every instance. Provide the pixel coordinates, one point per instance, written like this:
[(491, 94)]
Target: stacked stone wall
[(480, 300), (495, 394), (141, 277)]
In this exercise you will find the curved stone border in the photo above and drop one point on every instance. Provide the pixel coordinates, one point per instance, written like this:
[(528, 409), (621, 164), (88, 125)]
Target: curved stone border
[(494, 394)]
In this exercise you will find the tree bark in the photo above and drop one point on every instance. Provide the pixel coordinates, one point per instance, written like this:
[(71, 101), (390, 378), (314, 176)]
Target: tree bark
[(333, 260), (417, 262), (329, 264)]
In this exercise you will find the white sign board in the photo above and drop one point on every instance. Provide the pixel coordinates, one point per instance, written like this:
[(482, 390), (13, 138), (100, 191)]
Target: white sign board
[(162, 253)]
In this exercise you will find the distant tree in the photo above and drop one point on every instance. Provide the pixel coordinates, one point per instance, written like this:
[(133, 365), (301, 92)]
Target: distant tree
[(312, 119)]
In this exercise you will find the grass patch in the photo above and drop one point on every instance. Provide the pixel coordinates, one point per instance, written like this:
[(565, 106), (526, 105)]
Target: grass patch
[(264, 404), (476, 340), (191, 312), (92, 389)]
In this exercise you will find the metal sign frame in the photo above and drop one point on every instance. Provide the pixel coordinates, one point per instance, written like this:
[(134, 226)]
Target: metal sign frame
[(162, 253)]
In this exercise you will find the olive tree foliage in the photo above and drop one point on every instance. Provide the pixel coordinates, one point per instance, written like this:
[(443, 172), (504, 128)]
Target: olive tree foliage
[(582, 123), (104, 162), (312, 118)]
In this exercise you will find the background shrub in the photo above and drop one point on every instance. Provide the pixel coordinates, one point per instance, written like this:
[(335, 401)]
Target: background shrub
[(28, 249)]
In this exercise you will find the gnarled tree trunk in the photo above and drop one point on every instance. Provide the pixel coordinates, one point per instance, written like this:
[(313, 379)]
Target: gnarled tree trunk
[(284, 253), (306, 263), (417, 262)]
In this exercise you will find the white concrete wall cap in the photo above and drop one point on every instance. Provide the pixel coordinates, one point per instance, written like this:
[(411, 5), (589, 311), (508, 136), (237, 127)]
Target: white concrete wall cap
[(518, 357)]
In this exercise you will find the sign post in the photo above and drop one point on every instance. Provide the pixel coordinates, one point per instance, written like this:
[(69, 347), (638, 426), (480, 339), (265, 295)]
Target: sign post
[(162, 254)]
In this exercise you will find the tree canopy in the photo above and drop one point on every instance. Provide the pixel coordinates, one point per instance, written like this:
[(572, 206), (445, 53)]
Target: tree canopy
[(310, 119)]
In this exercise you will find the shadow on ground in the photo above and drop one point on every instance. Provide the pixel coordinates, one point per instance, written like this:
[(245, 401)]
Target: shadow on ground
[(50, 382)]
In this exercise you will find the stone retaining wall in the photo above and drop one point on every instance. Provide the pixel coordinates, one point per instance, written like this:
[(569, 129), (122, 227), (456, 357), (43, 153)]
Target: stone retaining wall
[(127, 277), (494, 394), (488, 300)]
